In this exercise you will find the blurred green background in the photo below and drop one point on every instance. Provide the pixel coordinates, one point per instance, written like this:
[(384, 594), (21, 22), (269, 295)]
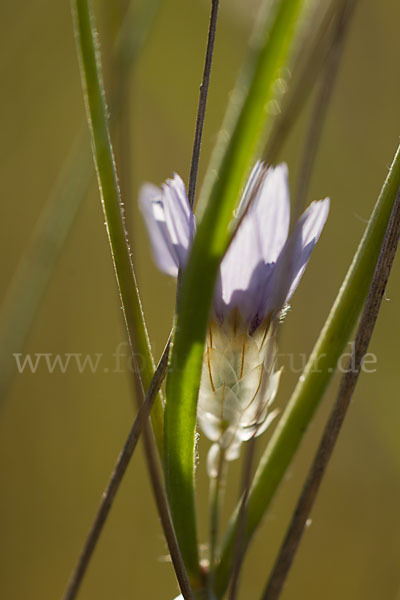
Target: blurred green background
[(60, 433)]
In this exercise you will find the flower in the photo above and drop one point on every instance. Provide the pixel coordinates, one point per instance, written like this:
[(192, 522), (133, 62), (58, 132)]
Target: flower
[(258, 275)]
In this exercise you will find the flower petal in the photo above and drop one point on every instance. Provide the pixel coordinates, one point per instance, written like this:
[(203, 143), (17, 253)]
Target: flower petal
[(272, 212), (179, 217), (152, 208), (294, 257), (170, 223), (257, 243), (311, 224), (241, 260)]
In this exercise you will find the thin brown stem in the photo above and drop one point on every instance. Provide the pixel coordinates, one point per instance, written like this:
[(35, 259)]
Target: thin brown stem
[(160, 497), (201, 109), (322, 101), (332, 429), (116, 478)]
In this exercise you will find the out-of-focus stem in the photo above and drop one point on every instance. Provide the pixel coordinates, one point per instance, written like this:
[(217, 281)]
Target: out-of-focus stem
[(35, 269), (216, 490), (240, 542), (342, 21), (307, 66)]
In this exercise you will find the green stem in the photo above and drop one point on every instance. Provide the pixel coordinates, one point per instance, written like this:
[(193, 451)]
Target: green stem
[(317, 374), (111, 201)]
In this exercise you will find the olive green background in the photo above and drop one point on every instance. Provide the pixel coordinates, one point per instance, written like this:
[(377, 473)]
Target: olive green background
[(61, 433)]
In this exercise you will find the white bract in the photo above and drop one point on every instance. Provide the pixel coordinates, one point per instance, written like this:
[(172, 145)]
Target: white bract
[(238, 385)]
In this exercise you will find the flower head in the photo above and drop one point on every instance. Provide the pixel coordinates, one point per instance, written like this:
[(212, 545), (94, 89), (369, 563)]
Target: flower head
[(262, 267), (258, 275)]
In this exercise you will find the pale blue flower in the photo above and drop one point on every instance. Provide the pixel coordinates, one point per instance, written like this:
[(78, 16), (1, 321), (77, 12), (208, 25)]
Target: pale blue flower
[(262, 266), (258, 275)]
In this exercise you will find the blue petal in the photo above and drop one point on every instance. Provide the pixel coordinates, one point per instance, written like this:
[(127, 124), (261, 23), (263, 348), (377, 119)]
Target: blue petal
[(260, 238), (294, 257), (152, 208), (179, 217), (272, 212), (170, 223)]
